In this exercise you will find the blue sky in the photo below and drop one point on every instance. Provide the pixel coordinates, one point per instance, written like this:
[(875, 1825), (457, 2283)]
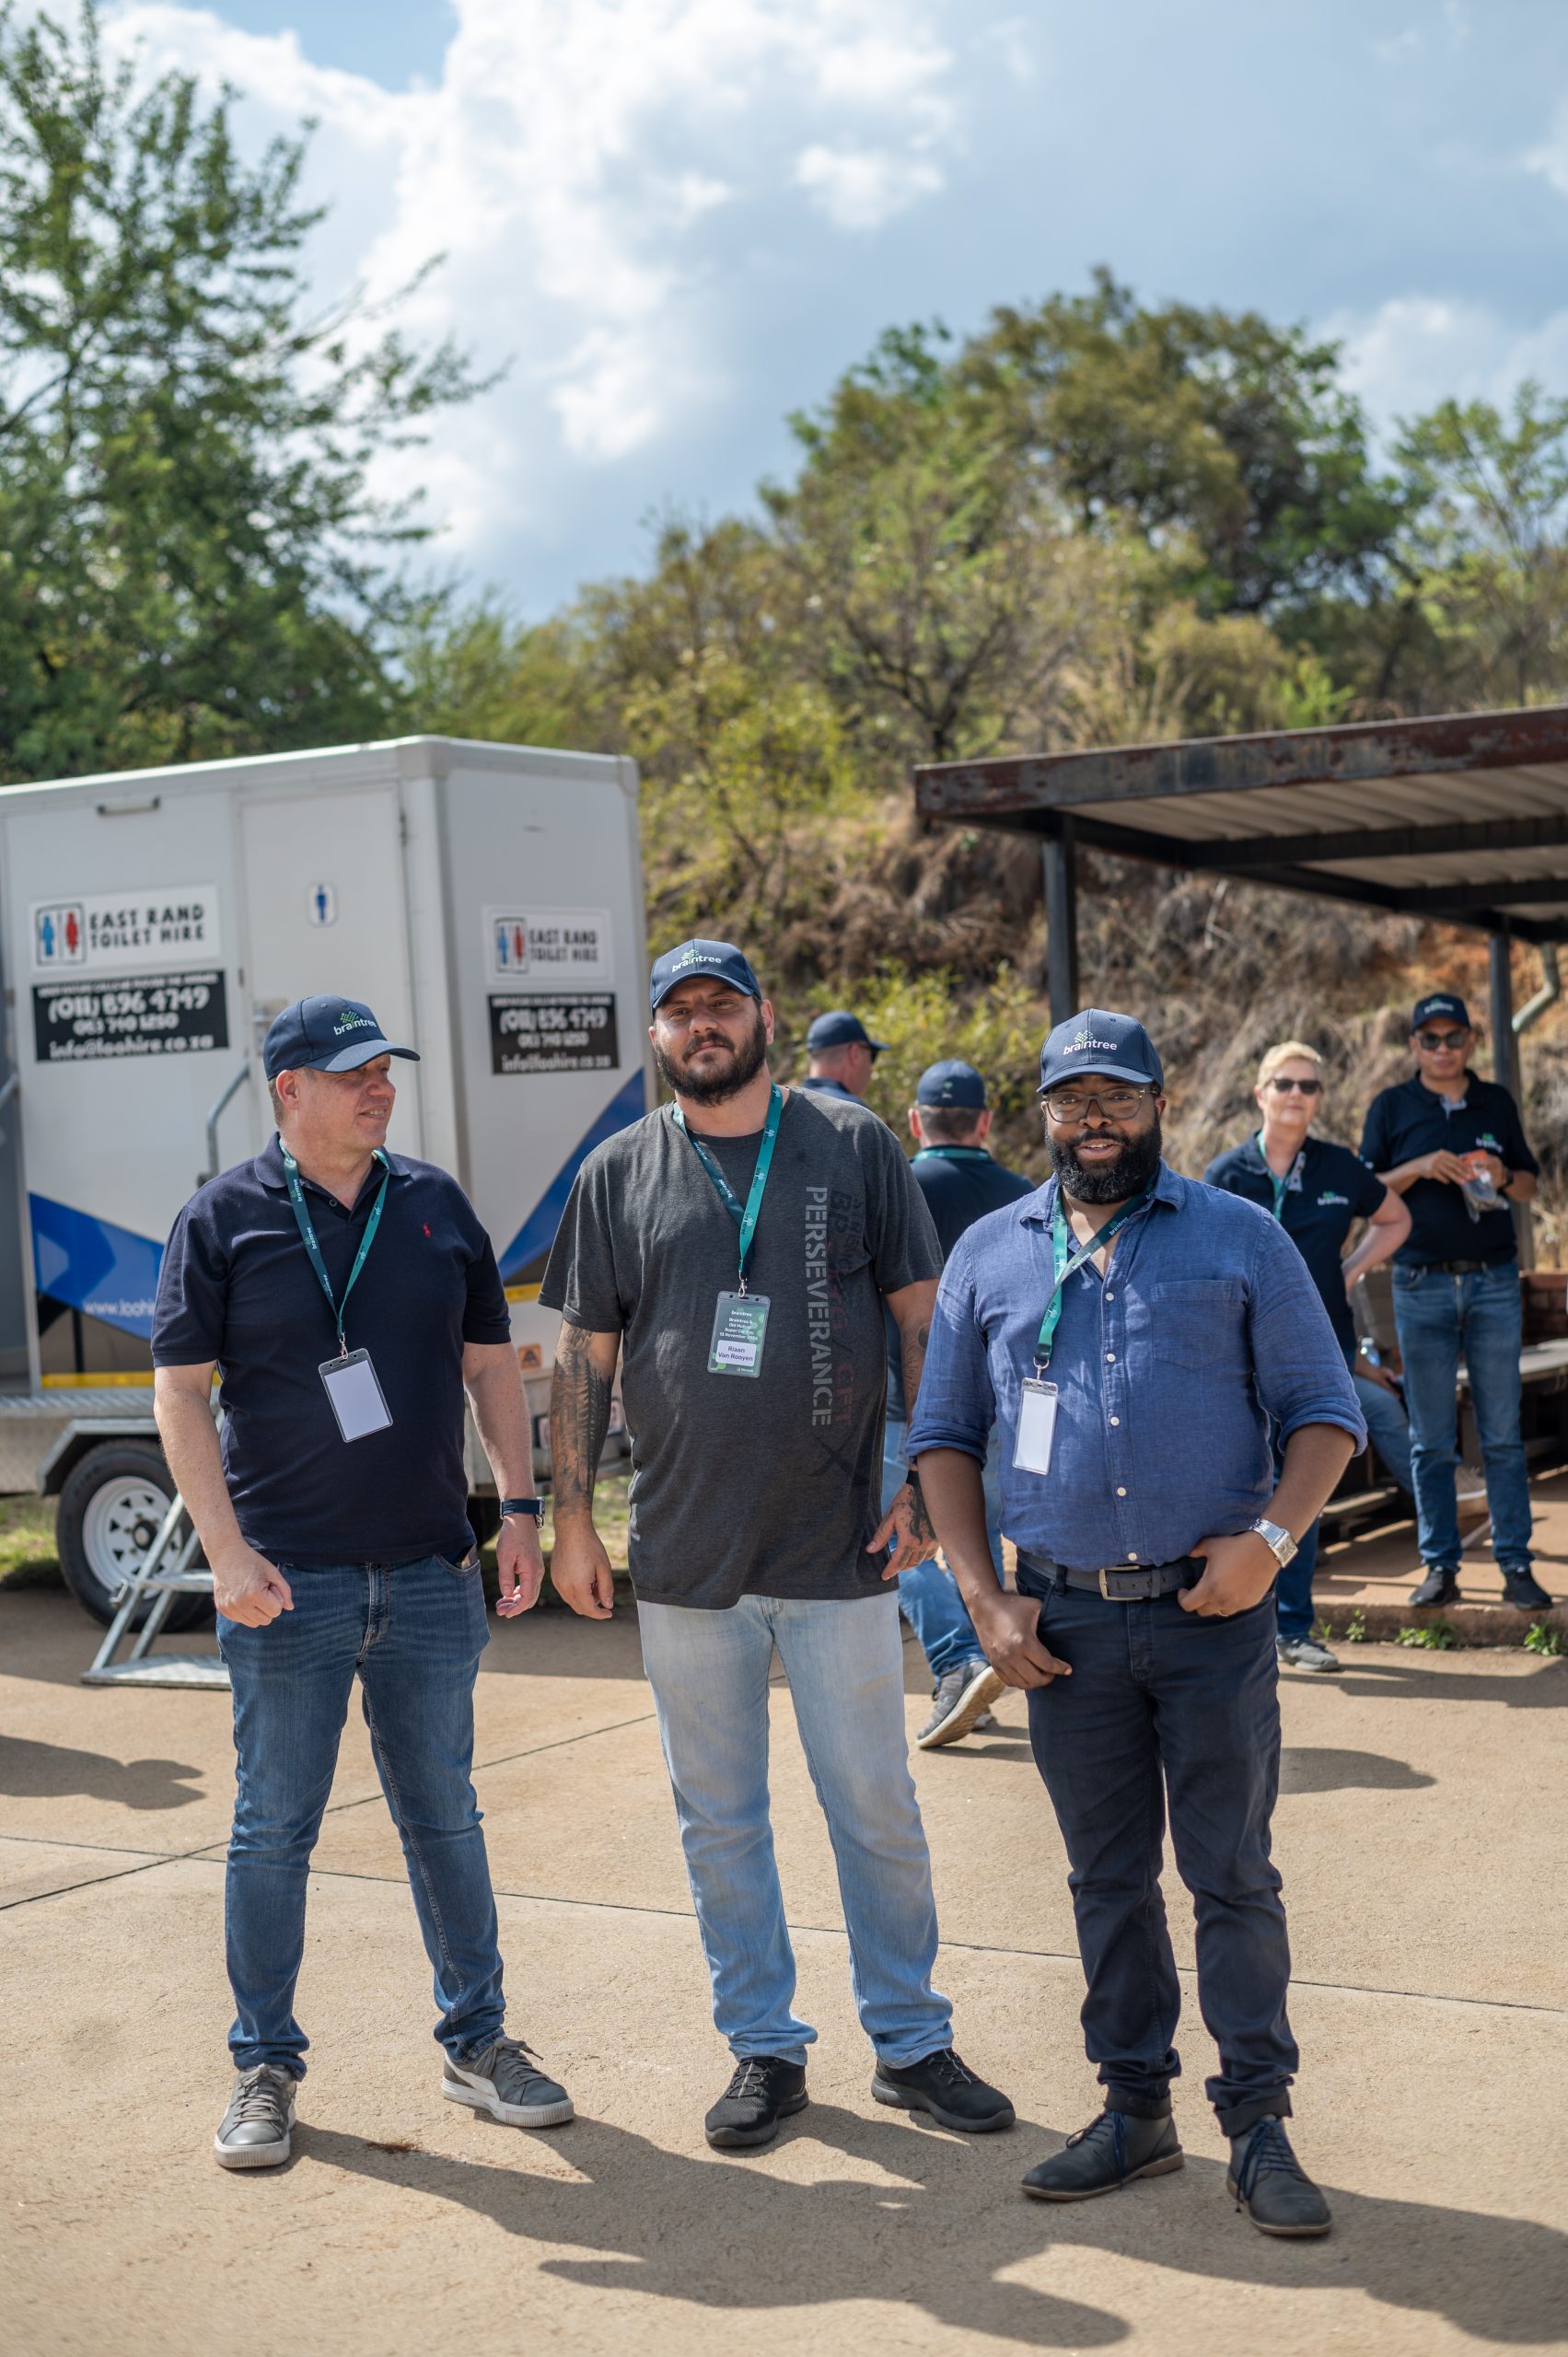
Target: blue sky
[(679, 219)]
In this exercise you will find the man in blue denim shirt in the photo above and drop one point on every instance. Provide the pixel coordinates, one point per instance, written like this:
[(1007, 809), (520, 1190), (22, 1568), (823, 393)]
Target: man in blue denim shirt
[(1134, 1395)]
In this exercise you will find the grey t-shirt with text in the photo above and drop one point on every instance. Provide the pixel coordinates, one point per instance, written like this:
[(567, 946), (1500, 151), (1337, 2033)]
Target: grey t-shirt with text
[(743, 1486)]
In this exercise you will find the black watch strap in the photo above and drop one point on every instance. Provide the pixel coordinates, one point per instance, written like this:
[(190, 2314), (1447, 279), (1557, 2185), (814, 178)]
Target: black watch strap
[(532, 1507)]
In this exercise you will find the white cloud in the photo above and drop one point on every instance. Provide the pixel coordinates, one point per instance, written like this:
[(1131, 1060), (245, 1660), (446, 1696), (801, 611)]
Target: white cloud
[(594, 169), (1417, 350)]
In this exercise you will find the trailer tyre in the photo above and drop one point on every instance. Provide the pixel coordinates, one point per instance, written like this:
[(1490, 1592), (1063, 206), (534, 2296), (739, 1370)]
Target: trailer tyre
[(107, 1517)]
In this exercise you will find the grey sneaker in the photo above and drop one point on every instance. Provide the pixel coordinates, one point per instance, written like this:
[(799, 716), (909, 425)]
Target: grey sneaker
[(962, 1699), (1469, 1483), (1305, 1653), (255, 2130), (503, 2082), (1267, 2180)]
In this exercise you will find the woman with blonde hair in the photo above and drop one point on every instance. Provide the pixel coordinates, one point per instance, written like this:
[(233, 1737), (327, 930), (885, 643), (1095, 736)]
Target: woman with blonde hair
[(1318, 1190)]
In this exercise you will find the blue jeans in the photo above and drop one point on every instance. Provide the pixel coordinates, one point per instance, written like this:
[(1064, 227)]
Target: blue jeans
[(845, 1664), (1161, 1702), (413, 1635), (1391, 1433), (1441, 1320), (928, 1595)]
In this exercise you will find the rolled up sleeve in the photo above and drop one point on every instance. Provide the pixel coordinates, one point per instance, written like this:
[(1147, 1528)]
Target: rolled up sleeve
[(1300, 1369), (956, 1406)]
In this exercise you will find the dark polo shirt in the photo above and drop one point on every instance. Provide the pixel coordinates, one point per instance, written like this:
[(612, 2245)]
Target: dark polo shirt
[(237, 1285), (1329, 1189), (1412, 1119)]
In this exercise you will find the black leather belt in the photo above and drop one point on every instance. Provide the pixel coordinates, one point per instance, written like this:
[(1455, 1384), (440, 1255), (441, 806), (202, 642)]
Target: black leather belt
[(1118, 1582), (1464, 1268)]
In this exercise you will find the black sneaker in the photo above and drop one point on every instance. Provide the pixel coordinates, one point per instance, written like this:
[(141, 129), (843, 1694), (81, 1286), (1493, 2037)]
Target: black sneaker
[(1267, 2180), (940, 2085), (764, 2090), (1523, 1590), (1110, 2152), (1440, 1586)]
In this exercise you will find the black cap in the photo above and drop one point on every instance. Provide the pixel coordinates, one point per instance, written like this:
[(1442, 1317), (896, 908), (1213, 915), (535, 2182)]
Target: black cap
[(1440, 1003), (840, 1028), (951, 1083), (326, 1034), (719, 959), (1115, 1046)]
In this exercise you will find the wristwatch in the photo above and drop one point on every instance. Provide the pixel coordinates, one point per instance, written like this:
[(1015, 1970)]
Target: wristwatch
[(532, 1507), (1275, 1536)]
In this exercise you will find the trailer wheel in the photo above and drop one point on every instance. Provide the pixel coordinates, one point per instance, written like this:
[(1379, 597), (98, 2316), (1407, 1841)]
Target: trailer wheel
[(107, 1517)]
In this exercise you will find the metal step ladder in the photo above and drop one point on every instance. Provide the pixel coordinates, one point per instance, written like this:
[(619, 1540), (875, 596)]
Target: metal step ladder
[(164, 1573)]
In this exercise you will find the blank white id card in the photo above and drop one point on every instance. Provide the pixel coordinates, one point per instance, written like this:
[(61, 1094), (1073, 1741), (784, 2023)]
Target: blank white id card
[(1037, 1425), (355, 1395)]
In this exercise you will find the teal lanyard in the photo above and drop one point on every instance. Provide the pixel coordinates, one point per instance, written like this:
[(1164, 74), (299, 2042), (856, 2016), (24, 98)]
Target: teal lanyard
[(1068, 1263), (746, 1220), (1280, 1186), (954, 1153), (308, 1235)]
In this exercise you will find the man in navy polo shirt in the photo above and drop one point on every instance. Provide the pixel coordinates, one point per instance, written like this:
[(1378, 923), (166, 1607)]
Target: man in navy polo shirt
[(954, 1169), (348, 1295), (840, 1054), (1452, 1146), (1135, 1335)]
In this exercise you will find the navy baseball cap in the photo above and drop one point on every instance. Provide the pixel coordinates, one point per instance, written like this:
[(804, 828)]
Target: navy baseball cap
[(1441, 1002), (326, 1034), (840, 1030), (1115, 1046), (951, 1083), (721, 959)]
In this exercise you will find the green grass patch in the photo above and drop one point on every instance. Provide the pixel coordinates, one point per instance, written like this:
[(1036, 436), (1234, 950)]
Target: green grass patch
[(1433, 1637), (1539, 1639), (28, 1558)]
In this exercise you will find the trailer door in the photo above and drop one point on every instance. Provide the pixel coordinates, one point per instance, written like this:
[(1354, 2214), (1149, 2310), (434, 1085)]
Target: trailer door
[(326, 911)]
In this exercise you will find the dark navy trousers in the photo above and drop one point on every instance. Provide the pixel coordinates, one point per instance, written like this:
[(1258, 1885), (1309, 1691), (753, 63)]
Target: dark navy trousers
[(1163, 1708)]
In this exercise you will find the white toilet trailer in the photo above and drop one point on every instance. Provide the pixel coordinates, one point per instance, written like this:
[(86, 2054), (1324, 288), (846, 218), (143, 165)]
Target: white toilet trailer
[(486, 900)]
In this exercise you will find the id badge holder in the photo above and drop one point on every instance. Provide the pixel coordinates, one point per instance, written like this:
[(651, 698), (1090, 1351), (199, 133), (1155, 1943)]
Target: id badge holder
[(740, 1328), (1037, 1425), (357, 1403)]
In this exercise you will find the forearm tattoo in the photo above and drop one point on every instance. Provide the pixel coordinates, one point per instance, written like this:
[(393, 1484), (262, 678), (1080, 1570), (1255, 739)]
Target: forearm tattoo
[(912, 1340), (579, 1418)]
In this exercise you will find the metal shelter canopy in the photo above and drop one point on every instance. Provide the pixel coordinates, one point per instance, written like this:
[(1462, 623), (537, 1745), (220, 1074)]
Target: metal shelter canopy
[(1462, 819)]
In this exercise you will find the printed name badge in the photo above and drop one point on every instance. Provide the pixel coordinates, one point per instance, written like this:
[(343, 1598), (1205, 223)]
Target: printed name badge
[(355, 1395), (740, 1326), (1037, 1425)]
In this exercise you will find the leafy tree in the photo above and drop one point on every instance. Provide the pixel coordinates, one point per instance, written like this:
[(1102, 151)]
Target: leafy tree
[(191, 561), (1215, 435)]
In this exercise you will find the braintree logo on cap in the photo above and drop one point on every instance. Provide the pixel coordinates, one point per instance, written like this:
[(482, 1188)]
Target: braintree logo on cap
[(1085, 1039), (349, 1021)]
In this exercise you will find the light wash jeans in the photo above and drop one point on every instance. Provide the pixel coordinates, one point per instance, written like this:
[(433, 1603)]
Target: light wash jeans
[(1441, 1320), (1392, 1437), (413, 1636), (845, 1664), (928, 1595)]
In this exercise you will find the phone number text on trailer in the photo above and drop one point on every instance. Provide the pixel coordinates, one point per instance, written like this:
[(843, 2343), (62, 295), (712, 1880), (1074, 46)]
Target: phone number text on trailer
[(144, 1014)]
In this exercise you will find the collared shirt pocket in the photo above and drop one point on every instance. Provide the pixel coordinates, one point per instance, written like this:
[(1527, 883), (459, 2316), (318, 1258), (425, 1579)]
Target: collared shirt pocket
[(1194, 1322)]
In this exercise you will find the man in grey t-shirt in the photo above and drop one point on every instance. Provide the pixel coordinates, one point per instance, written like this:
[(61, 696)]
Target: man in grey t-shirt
[(734, 1251)]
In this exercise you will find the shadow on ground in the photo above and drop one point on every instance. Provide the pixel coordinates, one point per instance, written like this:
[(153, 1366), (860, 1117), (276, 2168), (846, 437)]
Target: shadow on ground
[(727, 2237), (1324, 1770), (49, 1770)]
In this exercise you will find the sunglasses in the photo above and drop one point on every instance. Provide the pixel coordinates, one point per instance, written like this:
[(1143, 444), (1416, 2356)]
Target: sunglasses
[(1431, 1041), (1308, 1087)]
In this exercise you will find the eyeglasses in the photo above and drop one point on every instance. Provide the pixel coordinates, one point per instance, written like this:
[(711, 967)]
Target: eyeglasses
[(1282, 1088), (1431, 1041), (1115, 1104)]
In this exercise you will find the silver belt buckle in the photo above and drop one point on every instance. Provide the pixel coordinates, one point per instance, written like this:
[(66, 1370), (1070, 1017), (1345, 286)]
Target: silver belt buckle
[(1103, 1576)]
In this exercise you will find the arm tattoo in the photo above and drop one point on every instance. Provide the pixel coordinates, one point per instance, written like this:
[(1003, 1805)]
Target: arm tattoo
[(579, 1419), (912, 1340), (920, 1519)]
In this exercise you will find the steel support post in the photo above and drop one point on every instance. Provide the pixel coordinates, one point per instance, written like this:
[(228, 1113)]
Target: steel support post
[(1061, 923), (1506, 1065)]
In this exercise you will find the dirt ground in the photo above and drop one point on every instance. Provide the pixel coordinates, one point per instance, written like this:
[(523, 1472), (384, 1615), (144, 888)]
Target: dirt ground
[(1422, 1830)]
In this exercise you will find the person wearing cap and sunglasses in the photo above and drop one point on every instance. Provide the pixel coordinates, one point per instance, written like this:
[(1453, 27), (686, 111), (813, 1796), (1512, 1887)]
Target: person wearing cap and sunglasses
[(957, 1173), (840, 1055), (1318, 1191), (349, 1296), (1137, 1336), (733, 1250), (1452, 1146)]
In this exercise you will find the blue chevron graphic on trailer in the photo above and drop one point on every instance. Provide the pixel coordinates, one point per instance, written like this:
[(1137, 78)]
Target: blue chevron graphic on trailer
[(108, 1272), (537, 1233)]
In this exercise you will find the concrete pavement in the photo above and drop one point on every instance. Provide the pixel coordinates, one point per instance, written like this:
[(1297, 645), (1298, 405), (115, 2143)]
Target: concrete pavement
[(1420, 1830)]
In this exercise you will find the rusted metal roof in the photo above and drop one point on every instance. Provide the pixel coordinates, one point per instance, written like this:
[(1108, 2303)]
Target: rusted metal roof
[(1462, 817)]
